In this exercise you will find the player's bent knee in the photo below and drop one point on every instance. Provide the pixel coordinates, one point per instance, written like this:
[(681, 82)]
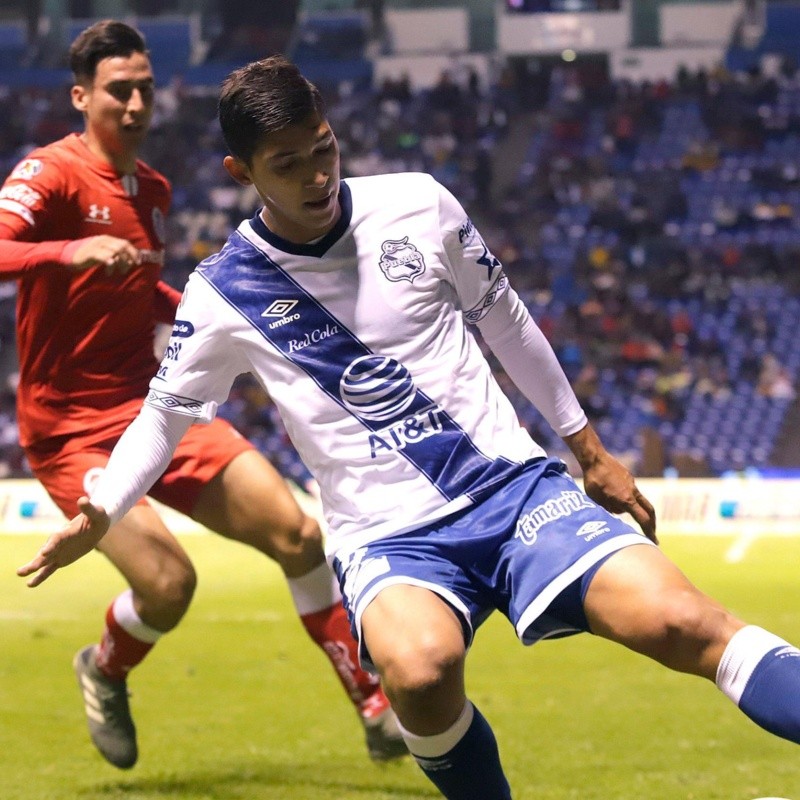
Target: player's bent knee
[(305, 536), (173, 589), (422, 665), (690, 631), (691, 614), (296, 548)]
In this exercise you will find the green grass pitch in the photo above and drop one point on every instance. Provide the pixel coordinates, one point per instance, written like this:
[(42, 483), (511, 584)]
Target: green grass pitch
[(237, 704)]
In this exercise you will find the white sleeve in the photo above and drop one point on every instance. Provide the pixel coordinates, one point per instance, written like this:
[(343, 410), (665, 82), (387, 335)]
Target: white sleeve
[(530, 362), (201, 359), (475, 273), (139, 459)]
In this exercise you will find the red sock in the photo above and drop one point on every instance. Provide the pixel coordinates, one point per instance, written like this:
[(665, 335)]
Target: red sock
[(119, 651), (330, 629)]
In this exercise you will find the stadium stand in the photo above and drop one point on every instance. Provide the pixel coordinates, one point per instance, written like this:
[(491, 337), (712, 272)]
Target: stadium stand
[(13, 44), (679, 215), (652, 227), (778, 34), (331, 48)]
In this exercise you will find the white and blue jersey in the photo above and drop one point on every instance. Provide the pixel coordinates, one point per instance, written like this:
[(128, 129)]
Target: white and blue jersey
[(360, 341), (426, 476)]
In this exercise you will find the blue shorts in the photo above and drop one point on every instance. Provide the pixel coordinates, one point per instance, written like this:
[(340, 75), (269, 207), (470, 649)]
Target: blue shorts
[(529, 551)]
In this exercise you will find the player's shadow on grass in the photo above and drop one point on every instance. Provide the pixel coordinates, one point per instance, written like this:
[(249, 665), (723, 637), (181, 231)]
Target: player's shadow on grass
[(252, 783)]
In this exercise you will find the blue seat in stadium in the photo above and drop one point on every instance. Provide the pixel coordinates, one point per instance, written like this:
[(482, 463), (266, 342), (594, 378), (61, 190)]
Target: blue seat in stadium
[(13, 44), (169, 40)]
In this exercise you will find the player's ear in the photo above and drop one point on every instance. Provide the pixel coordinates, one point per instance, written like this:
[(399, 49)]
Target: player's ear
[(237, 170), (79, 97)]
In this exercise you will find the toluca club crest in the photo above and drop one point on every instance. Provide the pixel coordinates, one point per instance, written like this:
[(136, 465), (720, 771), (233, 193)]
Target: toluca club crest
[(401, 261)]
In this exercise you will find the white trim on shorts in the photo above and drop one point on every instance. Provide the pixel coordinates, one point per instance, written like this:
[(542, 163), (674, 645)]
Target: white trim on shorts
[(404, 580), (564, 579)]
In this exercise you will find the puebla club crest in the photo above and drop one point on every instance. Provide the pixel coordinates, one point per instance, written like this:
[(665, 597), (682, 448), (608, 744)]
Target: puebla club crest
[(401, 261)]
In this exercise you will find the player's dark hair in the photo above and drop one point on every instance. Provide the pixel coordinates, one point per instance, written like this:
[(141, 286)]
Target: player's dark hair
[(262, 98), (105, 39)]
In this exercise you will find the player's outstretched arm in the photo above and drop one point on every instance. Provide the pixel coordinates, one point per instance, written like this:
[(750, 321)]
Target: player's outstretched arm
[(142, 454), (608, 482), (115, 255), (80, 535), (21, 258)]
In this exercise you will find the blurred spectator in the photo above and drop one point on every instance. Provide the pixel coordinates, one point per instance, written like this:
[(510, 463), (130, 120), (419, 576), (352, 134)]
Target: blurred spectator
[(774, 380)]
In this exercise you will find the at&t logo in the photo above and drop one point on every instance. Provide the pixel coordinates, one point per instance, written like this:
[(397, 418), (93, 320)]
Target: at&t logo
[(376, 388)]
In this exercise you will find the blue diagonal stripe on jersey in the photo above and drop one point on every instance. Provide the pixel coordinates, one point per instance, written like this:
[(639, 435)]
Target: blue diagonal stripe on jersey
[(319, 344)]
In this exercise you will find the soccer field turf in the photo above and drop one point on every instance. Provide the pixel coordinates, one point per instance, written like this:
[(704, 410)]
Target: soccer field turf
[(237, 703)]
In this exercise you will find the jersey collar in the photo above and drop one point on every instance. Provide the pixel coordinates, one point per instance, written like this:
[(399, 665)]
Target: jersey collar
[(96, 162), (315, 249)]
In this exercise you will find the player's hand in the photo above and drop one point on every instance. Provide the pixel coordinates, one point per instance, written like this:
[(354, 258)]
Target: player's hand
[(609, 483), (114, 254), (80, 535)]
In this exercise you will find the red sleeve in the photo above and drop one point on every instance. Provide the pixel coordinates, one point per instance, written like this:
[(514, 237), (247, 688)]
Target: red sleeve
[(166, 303), (19, 258), (25, 198)]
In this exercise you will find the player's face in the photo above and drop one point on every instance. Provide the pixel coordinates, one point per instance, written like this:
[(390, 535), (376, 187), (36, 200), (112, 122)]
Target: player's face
[(296, 174), (118, 104)]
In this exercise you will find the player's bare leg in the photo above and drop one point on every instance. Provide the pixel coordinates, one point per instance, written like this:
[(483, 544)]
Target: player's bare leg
[(162, 581), (417, 644), (639, 598), (251, 503), (154, 564)]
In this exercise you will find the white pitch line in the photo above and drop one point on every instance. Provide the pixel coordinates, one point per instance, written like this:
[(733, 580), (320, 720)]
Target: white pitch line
[(738, 550), (7, 615)]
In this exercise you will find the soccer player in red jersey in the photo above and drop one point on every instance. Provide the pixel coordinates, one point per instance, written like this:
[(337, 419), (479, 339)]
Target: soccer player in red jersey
[(82, 233)]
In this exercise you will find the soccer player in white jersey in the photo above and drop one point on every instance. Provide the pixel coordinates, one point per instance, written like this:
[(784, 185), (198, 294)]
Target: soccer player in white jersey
[(352, 302)]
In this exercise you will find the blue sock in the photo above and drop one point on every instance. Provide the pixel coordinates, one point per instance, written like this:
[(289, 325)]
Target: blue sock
[(463, 762), (761, 674)]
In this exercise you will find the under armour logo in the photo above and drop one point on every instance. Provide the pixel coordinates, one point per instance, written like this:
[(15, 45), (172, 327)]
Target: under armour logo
[(99, 213)]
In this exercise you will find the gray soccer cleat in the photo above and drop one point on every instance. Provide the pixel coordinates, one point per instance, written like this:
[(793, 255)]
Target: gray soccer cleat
[(107, 711), (384, 740)]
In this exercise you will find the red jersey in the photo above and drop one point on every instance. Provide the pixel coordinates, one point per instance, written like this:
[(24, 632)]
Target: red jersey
[(85, 339)]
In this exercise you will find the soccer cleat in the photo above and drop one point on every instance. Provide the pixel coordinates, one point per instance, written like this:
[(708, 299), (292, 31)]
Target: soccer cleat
[(384, 740), (107, 711)]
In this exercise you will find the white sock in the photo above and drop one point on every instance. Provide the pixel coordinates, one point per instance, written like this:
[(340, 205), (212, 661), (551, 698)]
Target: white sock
[(315, 591), (440, 743), (744, 651), (127, 618)]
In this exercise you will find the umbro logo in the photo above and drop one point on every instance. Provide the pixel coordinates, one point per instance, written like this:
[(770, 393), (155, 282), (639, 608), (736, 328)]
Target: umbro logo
[(101, 214), (591, 530), (282, 309), (279, 308)]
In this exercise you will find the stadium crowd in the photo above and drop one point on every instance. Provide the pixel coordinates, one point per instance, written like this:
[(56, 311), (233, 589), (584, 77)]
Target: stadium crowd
[(651, 228)]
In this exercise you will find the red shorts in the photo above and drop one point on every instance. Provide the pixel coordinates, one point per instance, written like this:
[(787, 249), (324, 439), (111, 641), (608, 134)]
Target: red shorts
[(68, 466)]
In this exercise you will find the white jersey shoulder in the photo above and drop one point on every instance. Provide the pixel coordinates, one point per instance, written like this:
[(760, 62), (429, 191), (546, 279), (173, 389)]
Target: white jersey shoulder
[(362, 340)]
